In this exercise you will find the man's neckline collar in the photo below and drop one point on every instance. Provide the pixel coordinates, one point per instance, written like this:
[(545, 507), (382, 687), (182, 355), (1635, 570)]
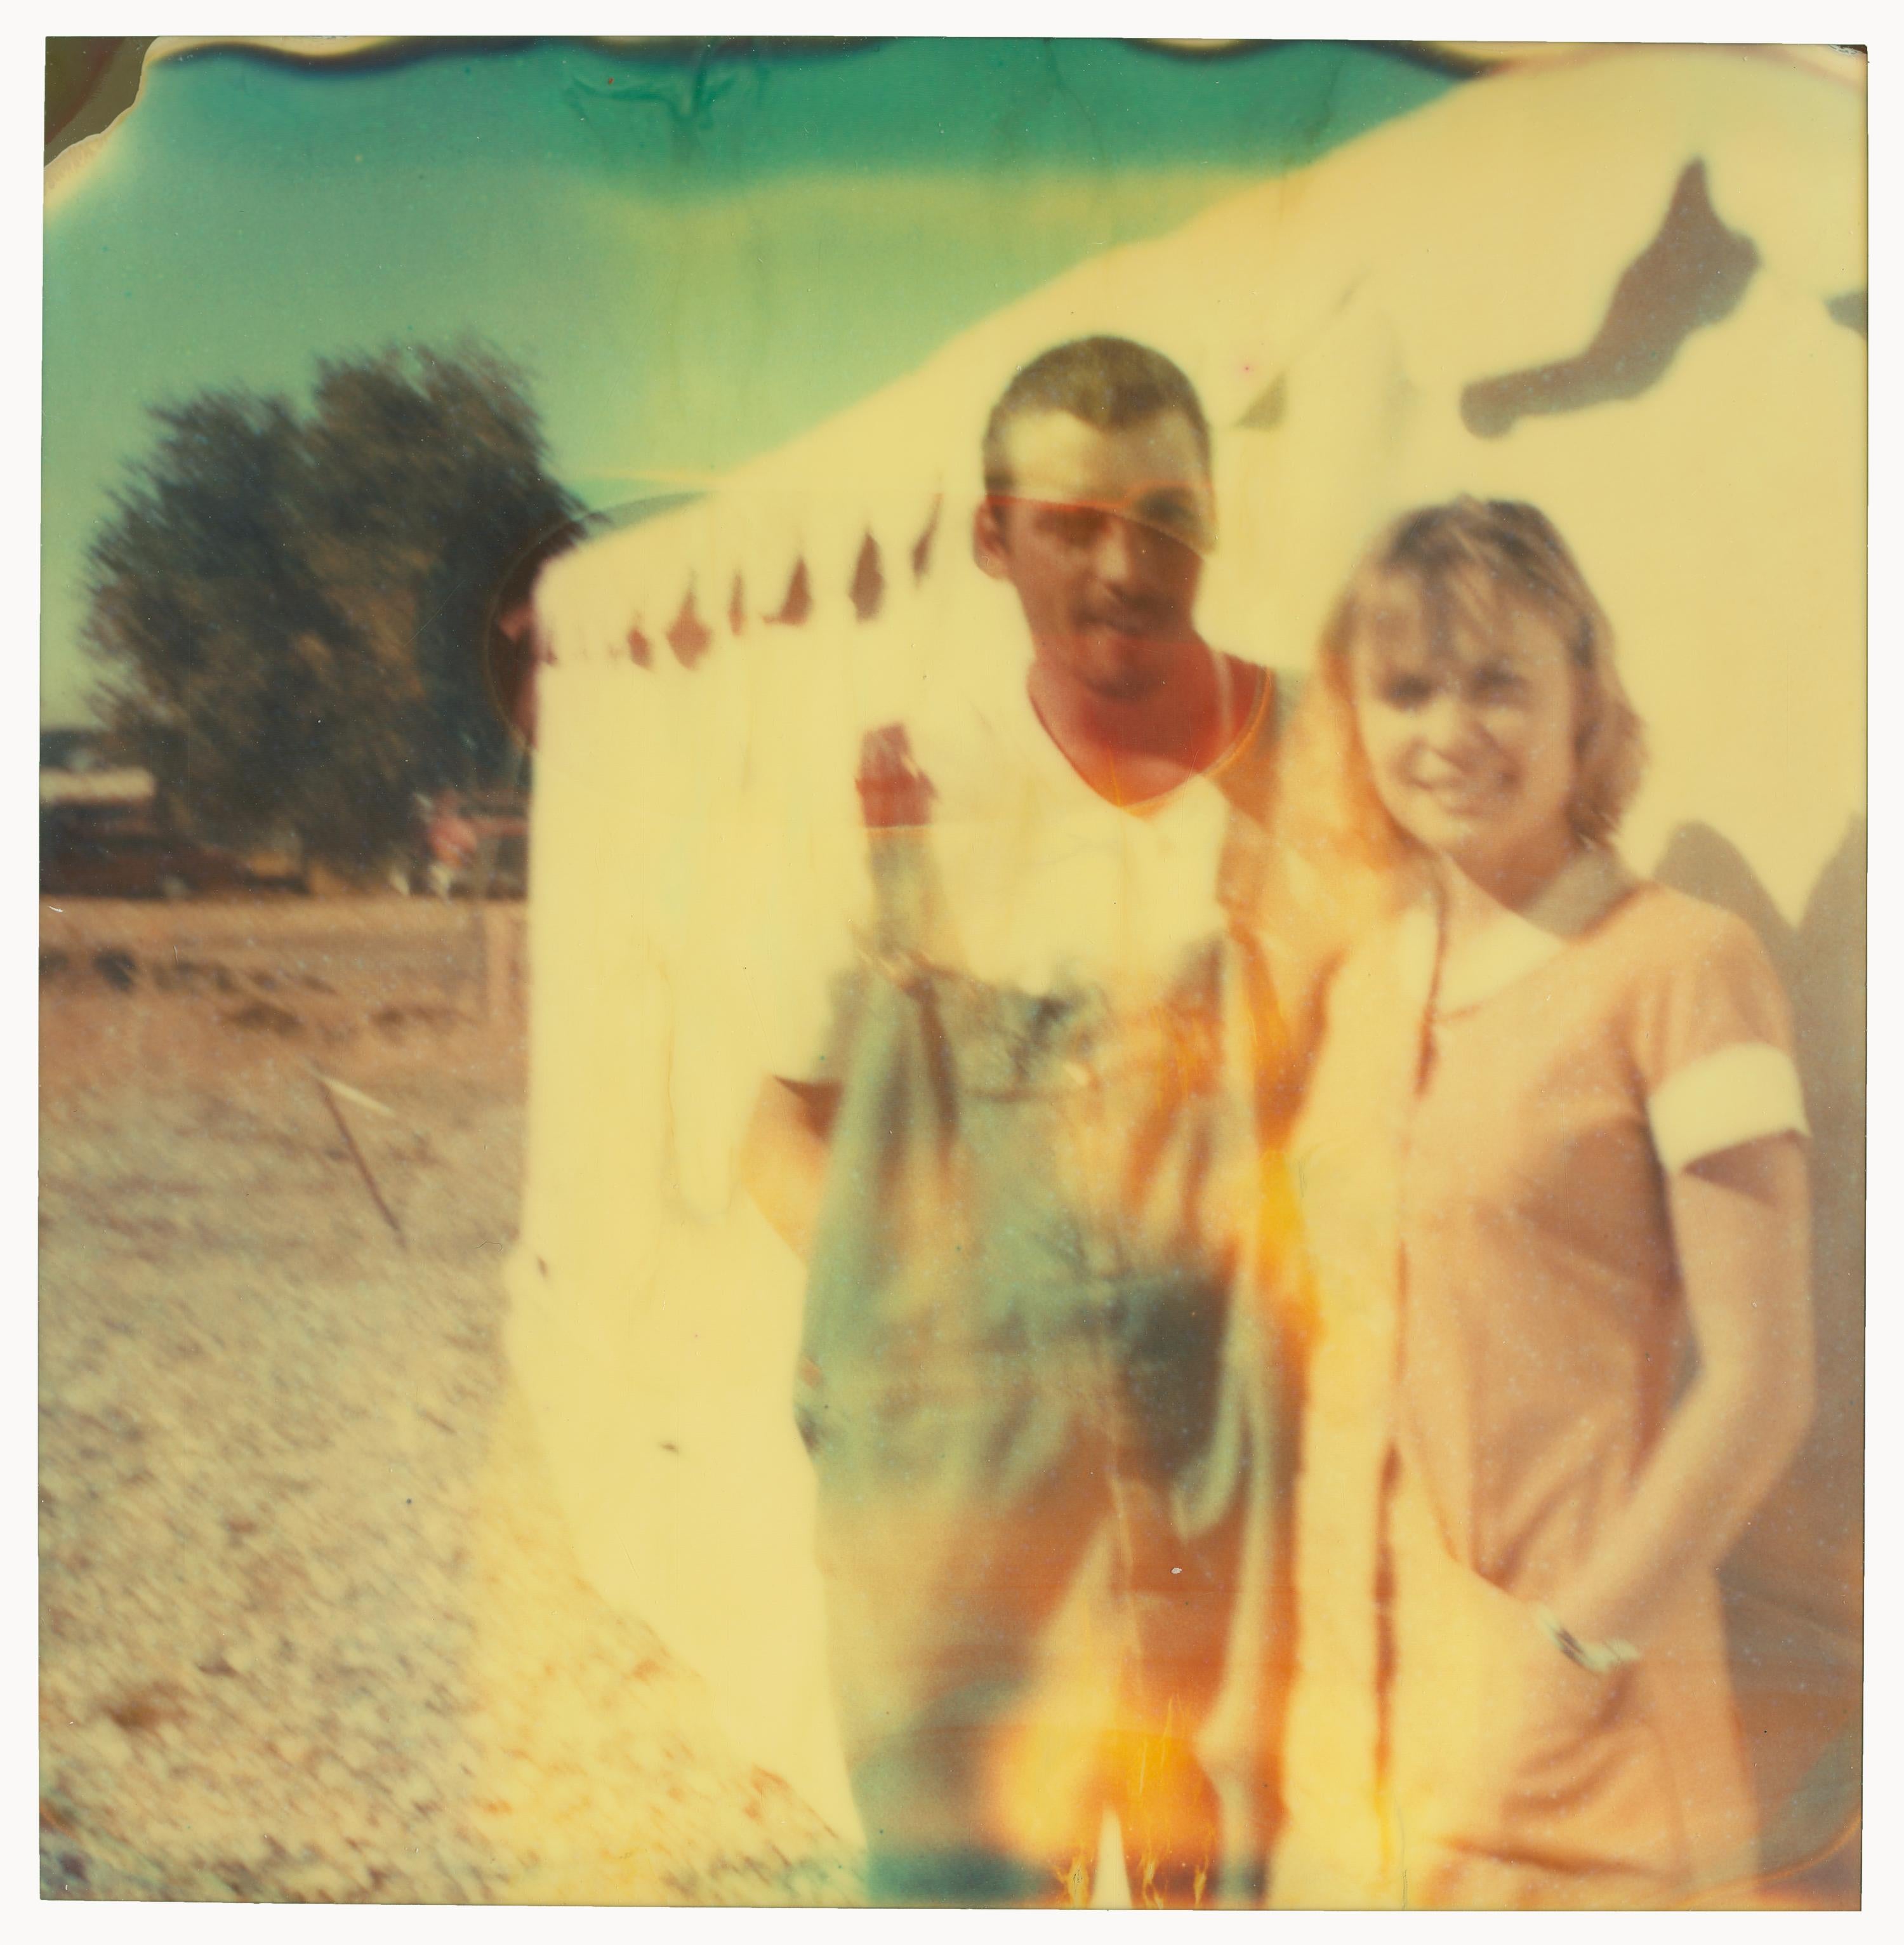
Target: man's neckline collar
[(1245, 733)]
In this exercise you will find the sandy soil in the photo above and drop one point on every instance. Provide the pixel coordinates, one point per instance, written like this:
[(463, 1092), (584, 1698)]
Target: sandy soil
[(310, 1628)]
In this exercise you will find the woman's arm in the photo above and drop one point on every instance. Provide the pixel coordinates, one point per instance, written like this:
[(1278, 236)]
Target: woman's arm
[(1740, 1223)]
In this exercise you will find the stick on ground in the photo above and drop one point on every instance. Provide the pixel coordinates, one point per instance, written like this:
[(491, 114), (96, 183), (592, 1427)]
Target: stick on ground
[(327, 1087)]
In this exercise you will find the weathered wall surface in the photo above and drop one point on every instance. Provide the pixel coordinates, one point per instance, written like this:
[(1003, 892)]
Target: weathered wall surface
[(1626, 286)]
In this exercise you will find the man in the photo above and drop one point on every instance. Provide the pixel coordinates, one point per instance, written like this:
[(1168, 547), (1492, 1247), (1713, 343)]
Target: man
[(453, 842), (1023, 1164)]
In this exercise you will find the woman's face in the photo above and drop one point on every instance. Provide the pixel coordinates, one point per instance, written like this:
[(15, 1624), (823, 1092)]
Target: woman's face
[(1472, 737)]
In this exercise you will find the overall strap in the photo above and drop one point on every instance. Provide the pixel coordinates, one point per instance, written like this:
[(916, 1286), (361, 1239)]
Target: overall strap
[(1243, 881), (1250, 783)]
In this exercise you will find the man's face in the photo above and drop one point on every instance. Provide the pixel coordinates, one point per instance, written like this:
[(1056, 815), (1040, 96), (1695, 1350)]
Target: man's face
[(1099, 534)]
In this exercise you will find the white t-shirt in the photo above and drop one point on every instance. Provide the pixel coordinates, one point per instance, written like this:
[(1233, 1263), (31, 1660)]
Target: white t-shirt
[(1047, 884)]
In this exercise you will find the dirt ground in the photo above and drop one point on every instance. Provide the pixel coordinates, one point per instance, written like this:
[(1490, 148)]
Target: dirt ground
[(309, 1627)]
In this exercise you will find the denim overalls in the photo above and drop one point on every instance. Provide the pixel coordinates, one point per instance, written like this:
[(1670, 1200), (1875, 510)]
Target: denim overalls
[(1040, 1402)]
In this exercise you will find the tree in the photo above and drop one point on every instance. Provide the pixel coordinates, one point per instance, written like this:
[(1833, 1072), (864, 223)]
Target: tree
[(291, 615)]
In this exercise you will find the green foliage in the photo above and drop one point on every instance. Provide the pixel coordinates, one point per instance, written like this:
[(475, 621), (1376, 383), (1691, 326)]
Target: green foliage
[(290, 613)]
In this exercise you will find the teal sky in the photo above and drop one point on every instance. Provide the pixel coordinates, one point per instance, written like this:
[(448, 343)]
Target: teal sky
[(693, 262)]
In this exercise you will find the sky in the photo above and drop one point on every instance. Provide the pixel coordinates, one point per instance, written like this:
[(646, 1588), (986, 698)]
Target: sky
[(693, 259)]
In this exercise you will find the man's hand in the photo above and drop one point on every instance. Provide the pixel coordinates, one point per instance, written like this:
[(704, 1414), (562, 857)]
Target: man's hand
[(893, 790), (783, 1156)]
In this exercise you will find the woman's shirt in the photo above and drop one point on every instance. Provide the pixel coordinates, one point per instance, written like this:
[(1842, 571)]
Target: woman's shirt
[(1620, 1031), (1482, 1167)]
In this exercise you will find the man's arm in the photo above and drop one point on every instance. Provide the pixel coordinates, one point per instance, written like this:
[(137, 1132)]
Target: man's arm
[(783, 1155)]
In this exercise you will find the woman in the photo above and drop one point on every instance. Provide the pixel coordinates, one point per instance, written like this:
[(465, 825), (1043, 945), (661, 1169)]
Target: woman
[(1554, 1130)]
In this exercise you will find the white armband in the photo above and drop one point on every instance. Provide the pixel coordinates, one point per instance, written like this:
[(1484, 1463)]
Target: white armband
[(1738, 1094)]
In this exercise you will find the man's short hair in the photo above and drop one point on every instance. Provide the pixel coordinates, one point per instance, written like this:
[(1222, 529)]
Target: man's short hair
[(1109, 382)]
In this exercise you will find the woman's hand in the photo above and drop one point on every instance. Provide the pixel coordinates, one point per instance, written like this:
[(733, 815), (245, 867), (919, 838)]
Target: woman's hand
[(1545, 1711), (1563, 1781)]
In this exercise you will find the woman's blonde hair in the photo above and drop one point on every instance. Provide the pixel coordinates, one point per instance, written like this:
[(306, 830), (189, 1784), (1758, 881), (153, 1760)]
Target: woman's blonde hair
[(1457, 564)]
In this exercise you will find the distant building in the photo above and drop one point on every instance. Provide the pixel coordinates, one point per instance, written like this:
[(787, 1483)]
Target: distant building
[(80, 783)]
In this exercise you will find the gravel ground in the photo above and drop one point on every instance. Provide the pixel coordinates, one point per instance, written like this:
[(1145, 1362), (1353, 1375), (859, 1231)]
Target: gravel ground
[(311, 1630), (309, 1627)]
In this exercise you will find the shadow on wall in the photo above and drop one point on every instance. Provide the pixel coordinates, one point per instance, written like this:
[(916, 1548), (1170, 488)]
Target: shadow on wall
[(1693, 273), (1793, 1584)]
